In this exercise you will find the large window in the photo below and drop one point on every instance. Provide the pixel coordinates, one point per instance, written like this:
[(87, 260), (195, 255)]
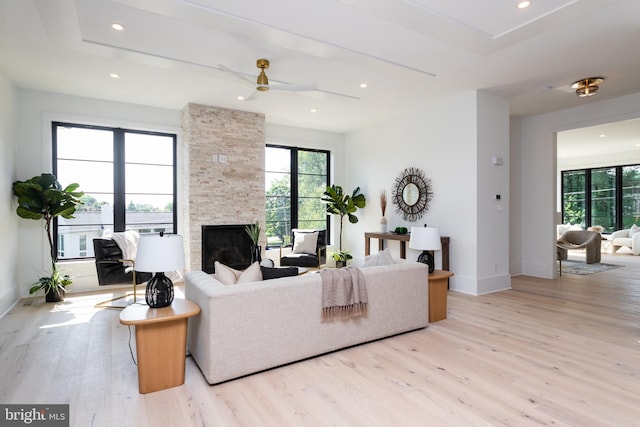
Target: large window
[(295, 181), (128, 178), (608, 196)]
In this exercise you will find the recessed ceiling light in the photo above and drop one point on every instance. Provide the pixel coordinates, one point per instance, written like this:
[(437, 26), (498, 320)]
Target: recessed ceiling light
[(117, 26), (603, 135), (363, 85), (114, 75), (313, 110), (524, 4), (241, 98)]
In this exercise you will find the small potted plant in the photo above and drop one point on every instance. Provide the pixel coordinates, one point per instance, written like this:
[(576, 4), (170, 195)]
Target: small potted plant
[(253, 231), (341, 258), (42, 197)]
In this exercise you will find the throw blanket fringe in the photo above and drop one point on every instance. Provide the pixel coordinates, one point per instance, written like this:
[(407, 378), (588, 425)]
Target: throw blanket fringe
[(344, 293)]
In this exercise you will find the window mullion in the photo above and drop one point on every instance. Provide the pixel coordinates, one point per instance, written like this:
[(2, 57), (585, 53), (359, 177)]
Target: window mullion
[(118, 181)]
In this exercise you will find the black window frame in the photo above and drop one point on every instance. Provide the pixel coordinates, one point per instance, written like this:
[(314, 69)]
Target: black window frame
[(119, 194), (588, 193), (293, 151)]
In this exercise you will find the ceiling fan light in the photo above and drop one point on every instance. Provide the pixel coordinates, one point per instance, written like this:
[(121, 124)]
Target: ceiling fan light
[(587, 91), (588, 86)]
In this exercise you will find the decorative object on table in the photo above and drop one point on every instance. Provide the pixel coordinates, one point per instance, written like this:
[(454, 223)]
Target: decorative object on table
[(412, 194), (425, 239), (401, 230), (339, 203), (341, 258), (383, 208), (42, 197), (253, 231), (159, 253)]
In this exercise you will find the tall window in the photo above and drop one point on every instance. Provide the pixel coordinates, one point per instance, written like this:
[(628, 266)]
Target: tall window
[(295, 181), (128, 178), (610, 196)]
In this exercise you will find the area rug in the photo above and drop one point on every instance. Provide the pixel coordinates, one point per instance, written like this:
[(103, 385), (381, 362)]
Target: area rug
[(582, 268)]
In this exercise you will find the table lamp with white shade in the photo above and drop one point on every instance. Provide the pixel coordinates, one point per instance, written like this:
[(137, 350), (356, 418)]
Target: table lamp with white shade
[(425, 239), (159, 253)]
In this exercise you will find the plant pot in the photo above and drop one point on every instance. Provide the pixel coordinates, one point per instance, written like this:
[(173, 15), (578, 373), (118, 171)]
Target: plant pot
[(341, 264), (54, 295), (256, 254)]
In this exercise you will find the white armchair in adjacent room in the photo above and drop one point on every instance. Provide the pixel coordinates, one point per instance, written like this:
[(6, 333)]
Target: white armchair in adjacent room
[(629, 238)]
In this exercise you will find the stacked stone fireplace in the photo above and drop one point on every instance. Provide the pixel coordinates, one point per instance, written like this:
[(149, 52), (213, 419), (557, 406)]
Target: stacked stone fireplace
[(224, 161)]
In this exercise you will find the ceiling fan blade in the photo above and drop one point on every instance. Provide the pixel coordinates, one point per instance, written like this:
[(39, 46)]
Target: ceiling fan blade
[(236, 74), (251, 97), (294, 88)]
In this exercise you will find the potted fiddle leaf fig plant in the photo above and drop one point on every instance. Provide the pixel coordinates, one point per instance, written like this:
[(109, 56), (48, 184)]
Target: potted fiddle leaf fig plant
[(253, 231), (43, 198), (342, 204)]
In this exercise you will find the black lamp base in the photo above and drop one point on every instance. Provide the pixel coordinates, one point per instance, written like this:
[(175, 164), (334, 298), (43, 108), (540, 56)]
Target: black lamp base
[(159, 292), (427, 258)]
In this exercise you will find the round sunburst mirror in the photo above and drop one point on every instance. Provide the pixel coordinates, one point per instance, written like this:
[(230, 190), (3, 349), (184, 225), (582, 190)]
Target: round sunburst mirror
[(412, 194)]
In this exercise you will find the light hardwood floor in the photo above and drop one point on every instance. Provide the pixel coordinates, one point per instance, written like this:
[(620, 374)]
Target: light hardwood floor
[(549, 352)]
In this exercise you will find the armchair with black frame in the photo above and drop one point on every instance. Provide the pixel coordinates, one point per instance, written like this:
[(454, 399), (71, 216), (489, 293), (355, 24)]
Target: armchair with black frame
[(308, 249), (112, 269)]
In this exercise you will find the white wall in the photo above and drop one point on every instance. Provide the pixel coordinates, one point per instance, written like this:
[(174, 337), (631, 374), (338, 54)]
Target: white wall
[(536, 145), (493, 181), (9, 289), (443, 141)]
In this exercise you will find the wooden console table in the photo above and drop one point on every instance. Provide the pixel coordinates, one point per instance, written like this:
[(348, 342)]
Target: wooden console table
[(403, 239)]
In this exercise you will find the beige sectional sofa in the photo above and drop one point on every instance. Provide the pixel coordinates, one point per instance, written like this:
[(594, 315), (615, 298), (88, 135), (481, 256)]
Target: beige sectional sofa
[(249, 327)]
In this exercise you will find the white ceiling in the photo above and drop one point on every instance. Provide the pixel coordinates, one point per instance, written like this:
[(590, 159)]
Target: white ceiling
[(409, 52)]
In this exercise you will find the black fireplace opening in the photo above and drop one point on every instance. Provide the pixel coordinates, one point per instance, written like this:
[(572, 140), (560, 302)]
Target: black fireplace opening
[(228, 244)]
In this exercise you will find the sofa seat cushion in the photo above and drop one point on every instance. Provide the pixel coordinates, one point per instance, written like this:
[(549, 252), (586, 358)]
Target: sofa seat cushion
[(622, 241)]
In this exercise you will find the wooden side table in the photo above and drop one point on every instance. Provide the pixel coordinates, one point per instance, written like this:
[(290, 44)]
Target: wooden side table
[(161, 342), (438, 286)]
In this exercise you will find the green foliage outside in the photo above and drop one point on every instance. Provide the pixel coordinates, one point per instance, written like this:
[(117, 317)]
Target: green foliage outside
[(603, 197), (312, 181)]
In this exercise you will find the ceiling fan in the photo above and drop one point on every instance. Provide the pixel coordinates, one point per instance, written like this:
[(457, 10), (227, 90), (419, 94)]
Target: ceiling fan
[(262, 83)]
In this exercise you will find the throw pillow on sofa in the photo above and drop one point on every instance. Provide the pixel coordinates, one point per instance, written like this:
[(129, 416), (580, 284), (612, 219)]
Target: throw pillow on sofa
[(276, 273), (230, 276), (381, 258), (633, 230)]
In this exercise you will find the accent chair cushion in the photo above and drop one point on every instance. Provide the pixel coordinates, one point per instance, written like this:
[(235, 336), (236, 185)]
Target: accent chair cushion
[(633, 230), (230, 276), (305, 242)]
